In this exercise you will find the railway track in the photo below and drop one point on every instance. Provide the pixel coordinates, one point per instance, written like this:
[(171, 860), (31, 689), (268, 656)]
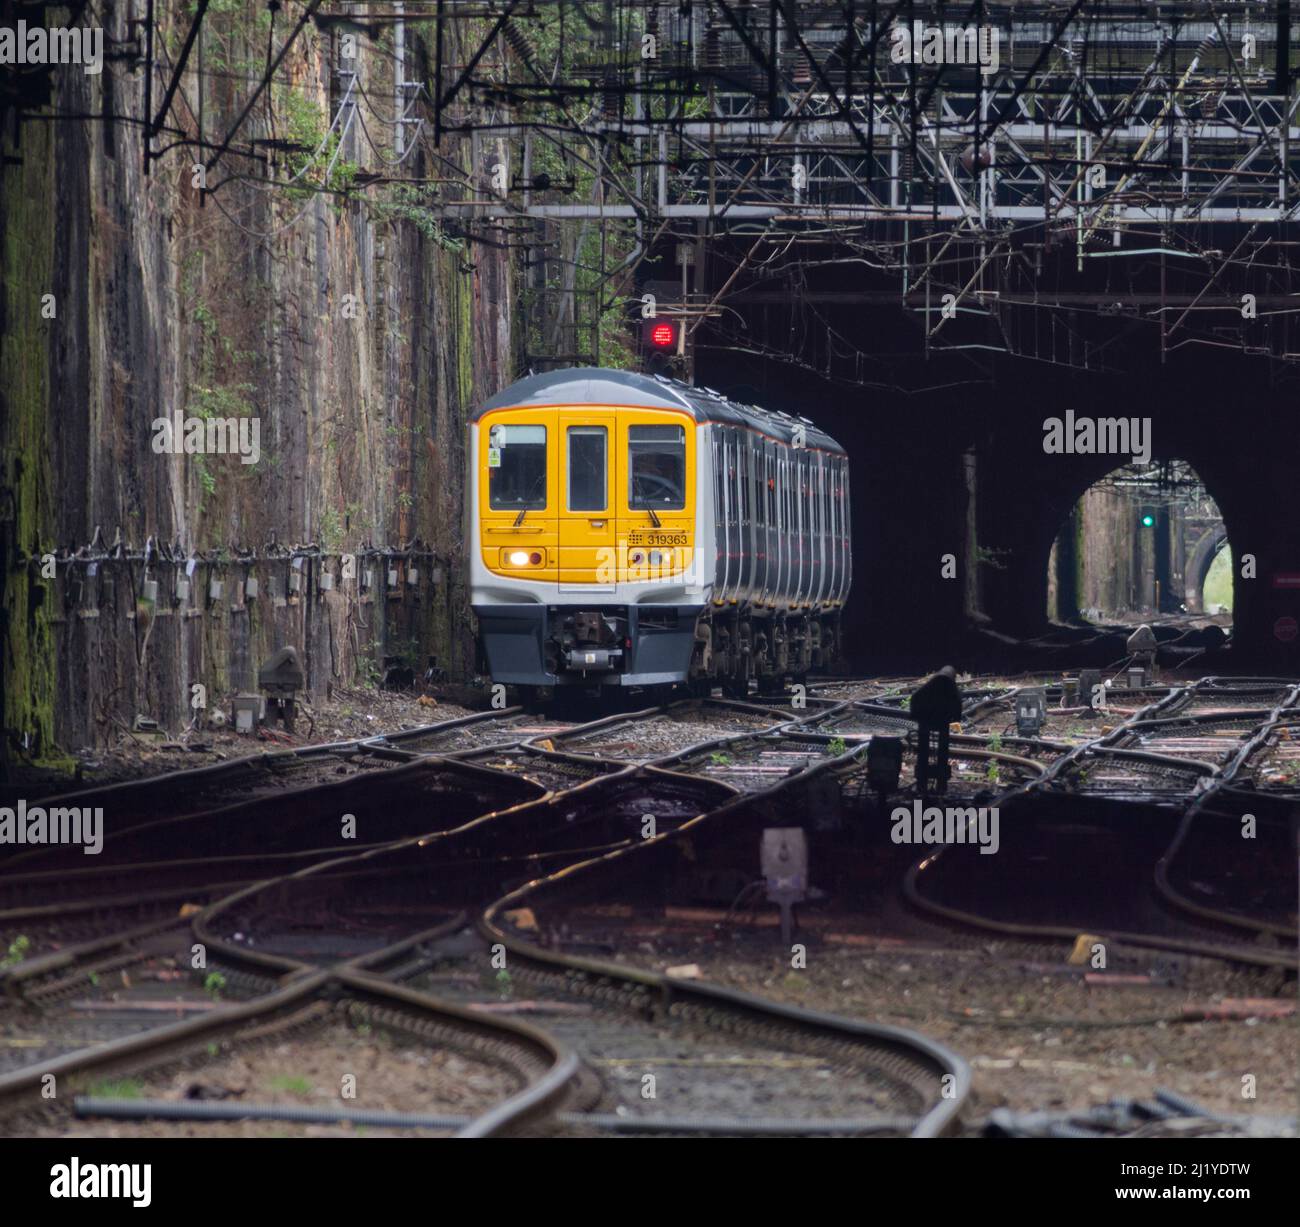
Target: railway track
[(1178, 761), (613, 801), (43, 979), (909, 1085), (709, 775)]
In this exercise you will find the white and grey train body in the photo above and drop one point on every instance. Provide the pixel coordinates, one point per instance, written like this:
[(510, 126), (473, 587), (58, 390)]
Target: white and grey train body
[(680, 537)]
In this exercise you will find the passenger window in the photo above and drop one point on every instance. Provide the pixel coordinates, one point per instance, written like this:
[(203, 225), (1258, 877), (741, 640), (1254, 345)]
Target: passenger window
[(517, 468), (744, 480), (656, 467), (587, 485)]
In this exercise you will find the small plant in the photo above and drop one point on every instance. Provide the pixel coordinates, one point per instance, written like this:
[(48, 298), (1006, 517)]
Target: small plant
[(719, 759), (995, 742), (993, 774), (987, 557), (291, 1083), (213, 1048), (18, 949), (93, 977), (417, 205), (505, 985), (214, 984), (836, 747), (315, 162), (124, 1088), (330, 528)]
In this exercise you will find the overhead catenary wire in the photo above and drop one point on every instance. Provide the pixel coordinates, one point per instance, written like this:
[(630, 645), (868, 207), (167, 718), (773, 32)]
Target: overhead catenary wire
[(572, 87)]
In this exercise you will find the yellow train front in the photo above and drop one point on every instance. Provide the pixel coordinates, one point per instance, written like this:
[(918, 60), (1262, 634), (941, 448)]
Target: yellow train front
[(629, 530)]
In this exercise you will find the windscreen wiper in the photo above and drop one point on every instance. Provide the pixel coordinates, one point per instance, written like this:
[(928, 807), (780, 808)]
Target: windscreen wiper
[(650, 511), (538, 486)]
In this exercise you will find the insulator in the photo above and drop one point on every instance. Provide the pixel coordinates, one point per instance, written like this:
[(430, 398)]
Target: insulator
[(712, 45), (519, 44)]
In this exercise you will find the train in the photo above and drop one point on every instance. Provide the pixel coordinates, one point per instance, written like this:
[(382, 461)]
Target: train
[(629, 530)]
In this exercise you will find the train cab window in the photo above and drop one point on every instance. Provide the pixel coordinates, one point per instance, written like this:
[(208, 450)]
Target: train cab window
[(587, 484), (656, 467), (517, 468)]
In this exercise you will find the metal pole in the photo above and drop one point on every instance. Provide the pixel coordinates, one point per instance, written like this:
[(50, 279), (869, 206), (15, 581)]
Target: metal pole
[(440, 20), (148, 84), (399, 78)]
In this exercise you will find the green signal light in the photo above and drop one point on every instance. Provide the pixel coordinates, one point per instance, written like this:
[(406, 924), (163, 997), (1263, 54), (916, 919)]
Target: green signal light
[(1148, 521)]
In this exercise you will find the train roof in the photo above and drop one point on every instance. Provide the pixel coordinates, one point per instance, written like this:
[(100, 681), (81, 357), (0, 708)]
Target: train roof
[(591, 385)]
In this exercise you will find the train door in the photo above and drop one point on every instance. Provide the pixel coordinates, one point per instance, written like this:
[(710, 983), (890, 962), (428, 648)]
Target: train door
[(782, 521), (517, 505), (657, 504), (762, 505), (821, 563), (588, 527)]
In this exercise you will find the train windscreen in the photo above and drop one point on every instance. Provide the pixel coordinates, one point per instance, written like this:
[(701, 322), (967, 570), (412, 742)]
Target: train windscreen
[(656, 467), (517, 468)]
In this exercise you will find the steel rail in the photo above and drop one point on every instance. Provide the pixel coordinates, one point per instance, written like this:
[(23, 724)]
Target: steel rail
[(1103, 746), (542, 1097), (1201, 805), (667, 991)]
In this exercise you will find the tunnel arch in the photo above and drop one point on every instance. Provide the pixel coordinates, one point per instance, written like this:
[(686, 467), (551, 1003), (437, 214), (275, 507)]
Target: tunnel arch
[(1136, 551)]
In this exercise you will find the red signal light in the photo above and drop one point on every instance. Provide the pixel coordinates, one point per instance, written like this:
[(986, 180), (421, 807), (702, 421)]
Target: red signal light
[(663, 335)]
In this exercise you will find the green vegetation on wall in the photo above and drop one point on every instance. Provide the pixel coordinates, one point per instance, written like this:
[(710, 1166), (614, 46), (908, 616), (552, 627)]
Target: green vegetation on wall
[(29, 680)]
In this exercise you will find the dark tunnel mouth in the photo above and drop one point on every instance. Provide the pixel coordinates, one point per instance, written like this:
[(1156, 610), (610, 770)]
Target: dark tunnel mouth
[(1004, 493)]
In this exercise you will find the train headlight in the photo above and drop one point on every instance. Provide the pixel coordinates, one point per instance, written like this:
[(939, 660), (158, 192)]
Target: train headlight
[(522, 558)]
